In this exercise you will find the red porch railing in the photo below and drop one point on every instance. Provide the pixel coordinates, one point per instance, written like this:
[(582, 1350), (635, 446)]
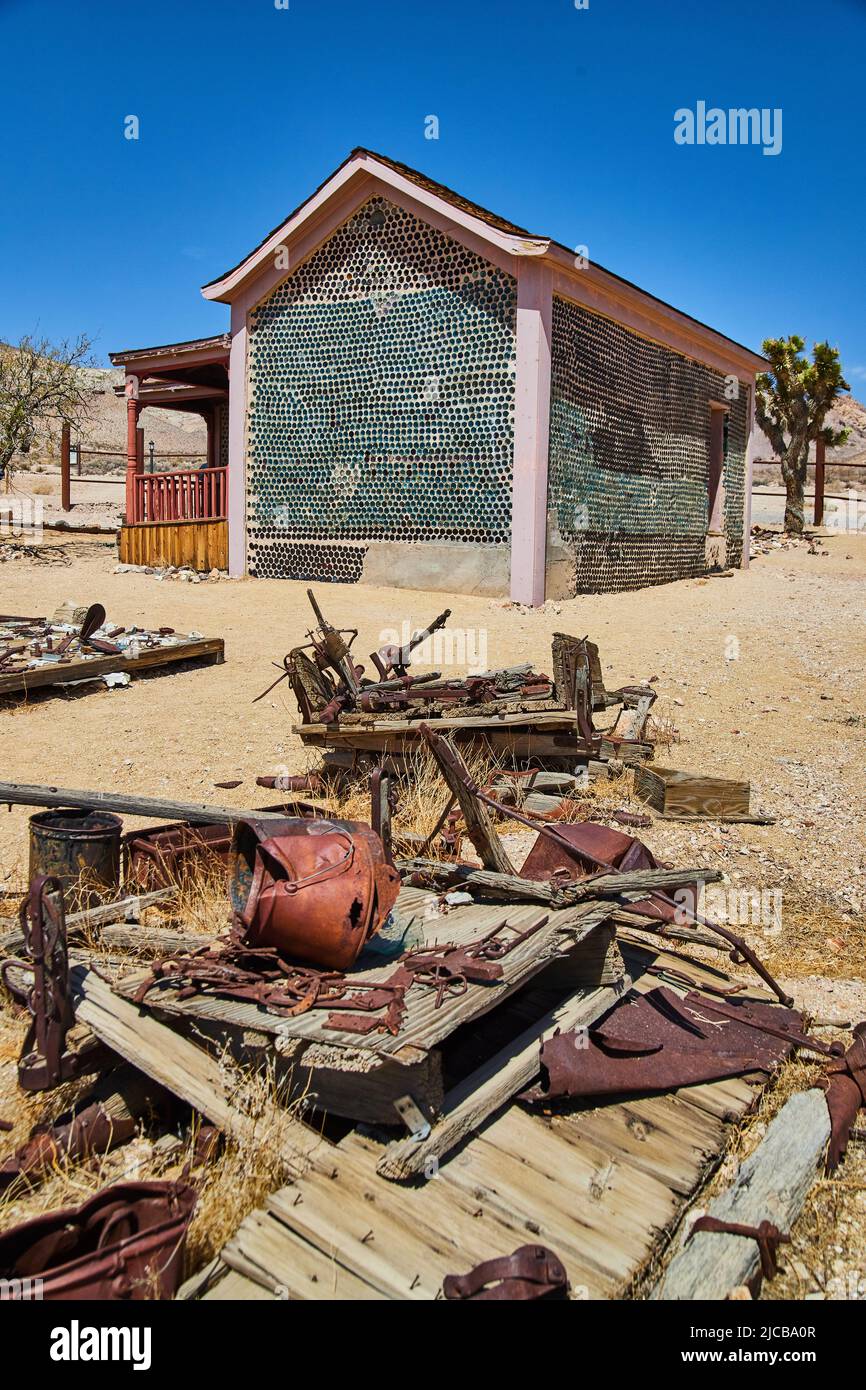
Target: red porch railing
[(199, 494)]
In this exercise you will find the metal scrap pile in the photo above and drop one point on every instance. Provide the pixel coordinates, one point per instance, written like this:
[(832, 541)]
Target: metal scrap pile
[(74, 634), (335, 696)]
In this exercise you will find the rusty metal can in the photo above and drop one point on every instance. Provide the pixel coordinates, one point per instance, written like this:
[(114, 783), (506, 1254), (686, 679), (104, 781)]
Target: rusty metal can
[(80, 848)]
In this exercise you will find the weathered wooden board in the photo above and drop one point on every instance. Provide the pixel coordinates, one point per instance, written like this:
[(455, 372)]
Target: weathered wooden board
[(493, 1084), (204, 545), (554, 719), (184, 1069), (685, 794), (208, 649), (771, 1185), (25, 794), (601, 1186)]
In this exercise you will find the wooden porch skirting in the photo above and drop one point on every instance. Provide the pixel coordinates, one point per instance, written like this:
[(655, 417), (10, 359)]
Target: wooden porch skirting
[(204, 545)]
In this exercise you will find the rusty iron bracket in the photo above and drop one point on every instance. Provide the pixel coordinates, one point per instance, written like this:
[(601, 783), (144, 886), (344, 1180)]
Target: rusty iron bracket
[(529, 1273), (383, 802), (413, 1117), (767, 1236)]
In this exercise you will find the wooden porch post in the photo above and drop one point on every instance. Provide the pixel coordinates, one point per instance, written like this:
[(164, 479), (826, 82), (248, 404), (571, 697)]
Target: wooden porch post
[(531, 433), (820, 447), (133, 409)]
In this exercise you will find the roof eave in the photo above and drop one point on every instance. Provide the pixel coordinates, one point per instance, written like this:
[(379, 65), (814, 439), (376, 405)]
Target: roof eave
[(358, 168), (707, 342)]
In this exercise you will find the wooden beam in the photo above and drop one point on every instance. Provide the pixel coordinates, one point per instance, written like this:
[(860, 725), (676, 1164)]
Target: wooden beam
[(24, 794), (510, 887), (57, 673), (124, 910), (771, 1185), (188, 1072), (479, 823), (65, 498), (492, 1085)]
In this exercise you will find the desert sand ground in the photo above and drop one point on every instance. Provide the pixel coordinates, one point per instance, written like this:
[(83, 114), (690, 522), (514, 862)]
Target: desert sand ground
[(760, 674)]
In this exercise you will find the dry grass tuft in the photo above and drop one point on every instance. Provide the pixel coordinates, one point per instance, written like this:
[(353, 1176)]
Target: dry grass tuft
[(244, 1174)]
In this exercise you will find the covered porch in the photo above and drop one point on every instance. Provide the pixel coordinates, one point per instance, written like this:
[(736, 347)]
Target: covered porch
[(179, 516)]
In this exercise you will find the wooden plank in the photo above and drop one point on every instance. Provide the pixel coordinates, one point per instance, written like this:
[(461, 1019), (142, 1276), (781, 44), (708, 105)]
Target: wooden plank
[(492, 1085), (95, 918), (24, 794), (212, 648), (554, 719), (185, 1070), (506, 887), (477, 818), (771, 1185), (273, 1256), (201, 544)]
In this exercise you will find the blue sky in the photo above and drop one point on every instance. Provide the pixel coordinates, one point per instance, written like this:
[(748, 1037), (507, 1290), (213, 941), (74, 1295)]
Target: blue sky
[(558, 118)]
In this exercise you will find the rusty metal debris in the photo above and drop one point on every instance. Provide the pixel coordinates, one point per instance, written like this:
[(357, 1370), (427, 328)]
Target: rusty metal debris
[(532, 1272), (45, 1059), (232, 969), (317, 890), (332, 691), (158, 857), (110, 1118), (659, 1041), (559, 836), (845, 1085), (767, 1236), (127, 1242)]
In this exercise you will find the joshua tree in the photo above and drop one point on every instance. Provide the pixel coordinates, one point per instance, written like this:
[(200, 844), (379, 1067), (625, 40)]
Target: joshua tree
[(793, 399), (41, 386)]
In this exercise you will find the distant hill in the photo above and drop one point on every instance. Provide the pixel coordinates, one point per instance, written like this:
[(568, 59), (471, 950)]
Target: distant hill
[(171, 430)]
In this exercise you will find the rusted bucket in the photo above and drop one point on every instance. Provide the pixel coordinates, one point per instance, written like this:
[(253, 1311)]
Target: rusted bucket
[(81, 848), (316, 890)]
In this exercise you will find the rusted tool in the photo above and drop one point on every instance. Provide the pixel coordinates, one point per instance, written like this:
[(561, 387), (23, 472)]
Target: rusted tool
[(93, 620), (383, 802), (45, 1060), (394, 658), (331, 649)]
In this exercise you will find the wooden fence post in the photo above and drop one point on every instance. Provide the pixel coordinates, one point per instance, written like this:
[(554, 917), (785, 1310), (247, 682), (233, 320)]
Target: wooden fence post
[(65, 499), (819, 481)]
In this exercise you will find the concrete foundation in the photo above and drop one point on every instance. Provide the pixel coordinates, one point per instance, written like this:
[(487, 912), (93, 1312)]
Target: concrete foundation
[(443, 567)]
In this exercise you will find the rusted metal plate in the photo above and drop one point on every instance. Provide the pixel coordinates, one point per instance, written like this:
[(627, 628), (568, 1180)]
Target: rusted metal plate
[(659, 1041)]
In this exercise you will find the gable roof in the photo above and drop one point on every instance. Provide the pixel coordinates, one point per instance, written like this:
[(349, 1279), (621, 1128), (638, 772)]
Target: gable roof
[(506, 236), (439, 190)]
